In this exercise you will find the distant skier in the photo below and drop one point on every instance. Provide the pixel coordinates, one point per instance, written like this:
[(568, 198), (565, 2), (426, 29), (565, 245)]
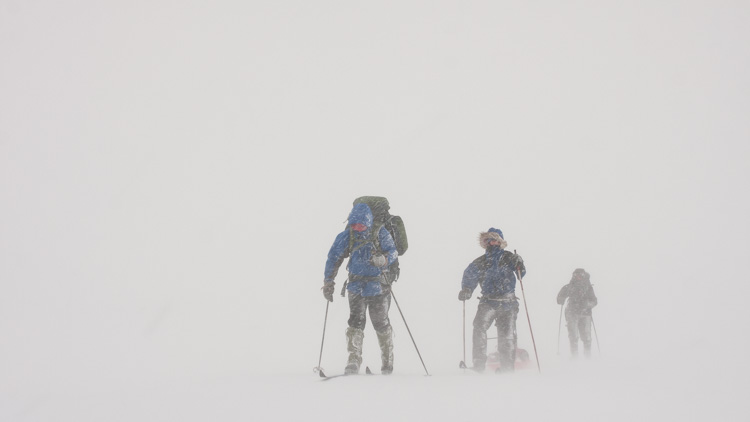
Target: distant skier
[(495, 272), (581, 298), (371, 251)]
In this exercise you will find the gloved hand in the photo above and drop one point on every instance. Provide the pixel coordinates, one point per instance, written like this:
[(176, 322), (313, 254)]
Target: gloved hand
[(328, 288), (379, 260), (517, 262), (464, 294)]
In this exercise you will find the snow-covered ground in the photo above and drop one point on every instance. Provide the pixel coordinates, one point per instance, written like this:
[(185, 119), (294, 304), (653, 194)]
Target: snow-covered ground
[(173, 175), (594, 391)]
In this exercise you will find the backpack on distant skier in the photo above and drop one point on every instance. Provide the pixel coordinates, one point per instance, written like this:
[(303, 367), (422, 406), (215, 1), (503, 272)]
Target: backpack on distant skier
[(393, 223)]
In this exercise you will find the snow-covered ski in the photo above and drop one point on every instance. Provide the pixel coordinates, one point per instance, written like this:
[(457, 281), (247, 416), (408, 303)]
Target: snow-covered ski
[(326, 377)]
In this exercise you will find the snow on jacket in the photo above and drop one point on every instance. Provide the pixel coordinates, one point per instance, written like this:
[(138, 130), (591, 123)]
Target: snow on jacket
[(364, 278), (494, 270)]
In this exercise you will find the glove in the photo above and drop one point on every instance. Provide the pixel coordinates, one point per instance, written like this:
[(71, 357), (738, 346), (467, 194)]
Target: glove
[(464, 294), (328, 290), (517, 262), (379, 260)]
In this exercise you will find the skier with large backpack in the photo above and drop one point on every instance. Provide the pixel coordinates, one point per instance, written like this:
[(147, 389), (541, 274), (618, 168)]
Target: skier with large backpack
[(368, 242), (581, 298), (495, 271)]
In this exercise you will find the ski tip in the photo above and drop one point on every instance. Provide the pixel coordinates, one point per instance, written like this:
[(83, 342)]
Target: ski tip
[(367, 370), (322, 375)]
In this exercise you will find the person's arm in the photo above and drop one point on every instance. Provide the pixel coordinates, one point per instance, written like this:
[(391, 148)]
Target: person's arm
[(388, 246), (515, 262), (469, 281), (591, 298), (336, 255)]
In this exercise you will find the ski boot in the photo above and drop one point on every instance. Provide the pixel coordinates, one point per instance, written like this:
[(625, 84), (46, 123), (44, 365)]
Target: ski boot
[(574, 350), (385, 339), (354, 340)]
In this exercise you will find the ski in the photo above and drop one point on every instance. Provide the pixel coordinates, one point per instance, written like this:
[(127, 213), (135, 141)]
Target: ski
[(326, 377)]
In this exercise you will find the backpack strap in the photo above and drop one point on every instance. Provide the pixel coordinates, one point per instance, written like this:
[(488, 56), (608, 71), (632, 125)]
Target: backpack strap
[(351, 241), (343, 288), (374, 239)]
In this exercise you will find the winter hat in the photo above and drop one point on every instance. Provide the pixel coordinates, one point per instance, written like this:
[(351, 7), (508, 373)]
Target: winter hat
[(492, 234)]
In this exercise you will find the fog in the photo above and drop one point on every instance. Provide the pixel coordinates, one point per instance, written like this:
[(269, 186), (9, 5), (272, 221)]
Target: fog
[(172, 176)]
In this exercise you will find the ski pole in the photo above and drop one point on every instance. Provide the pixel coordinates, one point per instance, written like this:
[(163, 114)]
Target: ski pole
[(559, 324), (464, 330), (408, 330), (595, 334), (325, 320), (462, 364), (520, 280)]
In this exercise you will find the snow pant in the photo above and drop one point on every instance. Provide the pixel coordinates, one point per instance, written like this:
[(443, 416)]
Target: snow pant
[(504, 315), (354, 340), (378, 307), (579, 326)]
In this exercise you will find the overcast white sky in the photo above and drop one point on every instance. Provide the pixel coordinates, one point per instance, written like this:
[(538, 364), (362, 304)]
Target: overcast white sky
[(173, 174)]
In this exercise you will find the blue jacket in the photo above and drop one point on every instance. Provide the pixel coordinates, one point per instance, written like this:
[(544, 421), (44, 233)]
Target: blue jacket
[(493, 272), (364, 278)]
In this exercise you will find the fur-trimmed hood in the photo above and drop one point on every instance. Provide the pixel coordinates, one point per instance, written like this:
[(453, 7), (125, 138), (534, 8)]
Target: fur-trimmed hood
[(492, 234)]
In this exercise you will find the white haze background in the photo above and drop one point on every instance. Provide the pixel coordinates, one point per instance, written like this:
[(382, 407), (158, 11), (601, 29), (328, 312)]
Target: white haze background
[(173, 174)]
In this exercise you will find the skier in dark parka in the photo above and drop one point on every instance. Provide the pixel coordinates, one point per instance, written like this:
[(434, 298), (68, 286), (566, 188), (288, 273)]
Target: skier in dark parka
[(581, 298), (495, 272), (370, 250)]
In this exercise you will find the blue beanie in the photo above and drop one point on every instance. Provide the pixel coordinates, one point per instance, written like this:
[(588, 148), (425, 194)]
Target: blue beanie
[(498, 231)]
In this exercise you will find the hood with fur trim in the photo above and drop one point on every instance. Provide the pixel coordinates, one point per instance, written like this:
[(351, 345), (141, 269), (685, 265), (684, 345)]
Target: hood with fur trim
[(492, 234)]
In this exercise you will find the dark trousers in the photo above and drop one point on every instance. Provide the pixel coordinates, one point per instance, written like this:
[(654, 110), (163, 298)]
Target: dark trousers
[(579, 326), (504, 315), (378, 307)]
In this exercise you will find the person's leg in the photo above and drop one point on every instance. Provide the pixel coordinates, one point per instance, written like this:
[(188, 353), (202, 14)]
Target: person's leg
[(482, 321), (507, 336), (584, 329), (355, 333), (379, 306), (571, 321)]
